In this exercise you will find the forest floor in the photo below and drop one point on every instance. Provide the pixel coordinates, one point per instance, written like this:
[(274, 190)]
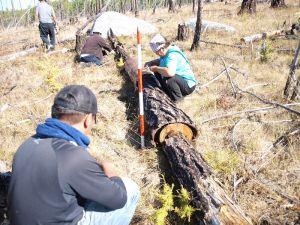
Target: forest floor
[(235, 146)]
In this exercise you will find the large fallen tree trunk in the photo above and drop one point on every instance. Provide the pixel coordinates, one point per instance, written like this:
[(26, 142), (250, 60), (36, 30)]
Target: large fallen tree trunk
[(174, 130), (257, 37), (29, 51)]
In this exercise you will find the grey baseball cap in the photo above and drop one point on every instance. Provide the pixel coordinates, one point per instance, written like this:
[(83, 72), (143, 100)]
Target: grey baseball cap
[(76, 98)]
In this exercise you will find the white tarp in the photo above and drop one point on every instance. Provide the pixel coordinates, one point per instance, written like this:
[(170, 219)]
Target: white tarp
[(121, 25), (209, 25)]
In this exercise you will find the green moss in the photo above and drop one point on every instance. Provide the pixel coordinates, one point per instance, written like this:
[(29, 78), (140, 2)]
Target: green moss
[(224, 161), (167, 204), (184, 211)]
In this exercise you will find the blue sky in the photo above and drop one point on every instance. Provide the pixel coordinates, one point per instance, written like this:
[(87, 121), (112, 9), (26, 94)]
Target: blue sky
[(24, 4)]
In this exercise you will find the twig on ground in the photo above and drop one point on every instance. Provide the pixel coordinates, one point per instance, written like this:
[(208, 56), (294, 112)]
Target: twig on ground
[(239, 71), (255, 85), (271, 186), (223, 44), (10, 89), (281, 140), (229, 77), (214, 79), (235, 185), (269, 102), (234, 142), (245, 111)]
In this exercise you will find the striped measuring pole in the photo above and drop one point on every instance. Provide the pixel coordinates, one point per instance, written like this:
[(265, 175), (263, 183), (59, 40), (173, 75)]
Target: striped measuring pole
[(140, 85)]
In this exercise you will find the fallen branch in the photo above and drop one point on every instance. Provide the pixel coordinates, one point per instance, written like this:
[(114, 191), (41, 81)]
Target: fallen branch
[(233, 137), (245, 111), (238, 71), (271, 186), (223, 44), (229, 78), (17, 55), (255, 85), (269, 102), (235, 185), (215, 78), (257, 37), (282, 139)]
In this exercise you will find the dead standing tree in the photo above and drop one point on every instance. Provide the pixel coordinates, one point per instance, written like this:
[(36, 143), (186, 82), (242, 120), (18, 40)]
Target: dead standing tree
[(292, 87), (198, 27), (174, 130), (248, 6), (80, 36), (277, 3), (171, 6)]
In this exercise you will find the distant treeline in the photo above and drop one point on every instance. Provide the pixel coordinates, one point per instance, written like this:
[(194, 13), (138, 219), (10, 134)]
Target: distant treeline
[(66, 10)]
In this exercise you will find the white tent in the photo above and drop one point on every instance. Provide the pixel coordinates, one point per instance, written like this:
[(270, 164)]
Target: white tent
[(121, 25)]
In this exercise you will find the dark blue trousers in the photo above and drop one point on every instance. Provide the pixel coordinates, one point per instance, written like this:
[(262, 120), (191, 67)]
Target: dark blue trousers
[(47, 30), (90, 59)]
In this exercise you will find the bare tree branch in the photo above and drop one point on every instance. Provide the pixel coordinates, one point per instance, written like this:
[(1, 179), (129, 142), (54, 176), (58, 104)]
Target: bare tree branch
[(245, 111)]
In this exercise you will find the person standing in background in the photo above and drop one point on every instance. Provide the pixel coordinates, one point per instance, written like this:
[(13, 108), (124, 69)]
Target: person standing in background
[(47, 21)]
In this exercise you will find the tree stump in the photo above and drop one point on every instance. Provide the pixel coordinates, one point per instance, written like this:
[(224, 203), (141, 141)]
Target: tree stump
[(248, 6), (182, 32), (80, 40), (277, 3)]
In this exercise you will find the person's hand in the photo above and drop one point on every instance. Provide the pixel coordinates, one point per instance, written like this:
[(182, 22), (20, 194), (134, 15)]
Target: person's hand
[(108, 169), (153, 68), (36, 24)]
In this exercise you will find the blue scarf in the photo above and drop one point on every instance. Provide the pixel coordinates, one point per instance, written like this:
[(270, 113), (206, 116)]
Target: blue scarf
[(54, 128)]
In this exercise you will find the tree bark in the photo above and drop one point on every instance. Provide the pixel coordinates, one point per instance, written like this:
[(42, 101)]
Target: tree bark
[(198, 29), (248, 6), (277, 3), (171, 6), (13, 11), (292, 87), (182, 32), (136, 9), (194, 3), (79, 31), (171, 127)]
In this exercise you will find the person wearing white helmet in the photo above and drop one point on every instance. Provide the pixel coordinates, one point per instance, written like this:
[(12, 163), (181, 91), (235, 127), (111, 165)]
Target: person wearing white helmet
[(94, 49), (172, 68)]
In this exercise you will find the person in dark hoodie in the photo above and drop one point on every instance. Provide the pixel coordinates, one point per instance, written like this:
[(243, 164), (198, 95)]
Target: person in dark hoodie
[(94, 49), (56, 181)]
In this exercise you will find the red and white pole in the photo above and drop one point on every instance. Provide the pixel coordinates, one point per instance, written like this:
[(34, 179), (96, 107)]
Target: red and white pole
[(140, 85)]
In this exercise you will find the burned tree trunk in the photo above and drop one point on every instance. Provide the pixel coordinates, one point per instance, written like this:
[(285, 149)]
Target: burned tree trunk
[(277, 3), (292, 87), (174, 130), (136, 8), (182, 32), (79, 31), (171, 6), (196, 40), (248, 6)]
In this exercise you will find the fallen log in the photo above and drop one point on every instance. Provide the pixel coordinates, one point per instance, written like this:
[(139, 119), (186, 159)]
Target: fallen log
[(257, 37), (16, 55), (171, 128)]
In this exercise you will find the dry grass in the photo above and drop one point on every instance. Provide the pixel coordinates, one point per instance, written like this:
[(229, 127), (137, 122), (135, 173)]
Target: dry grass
[(26, 98)]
